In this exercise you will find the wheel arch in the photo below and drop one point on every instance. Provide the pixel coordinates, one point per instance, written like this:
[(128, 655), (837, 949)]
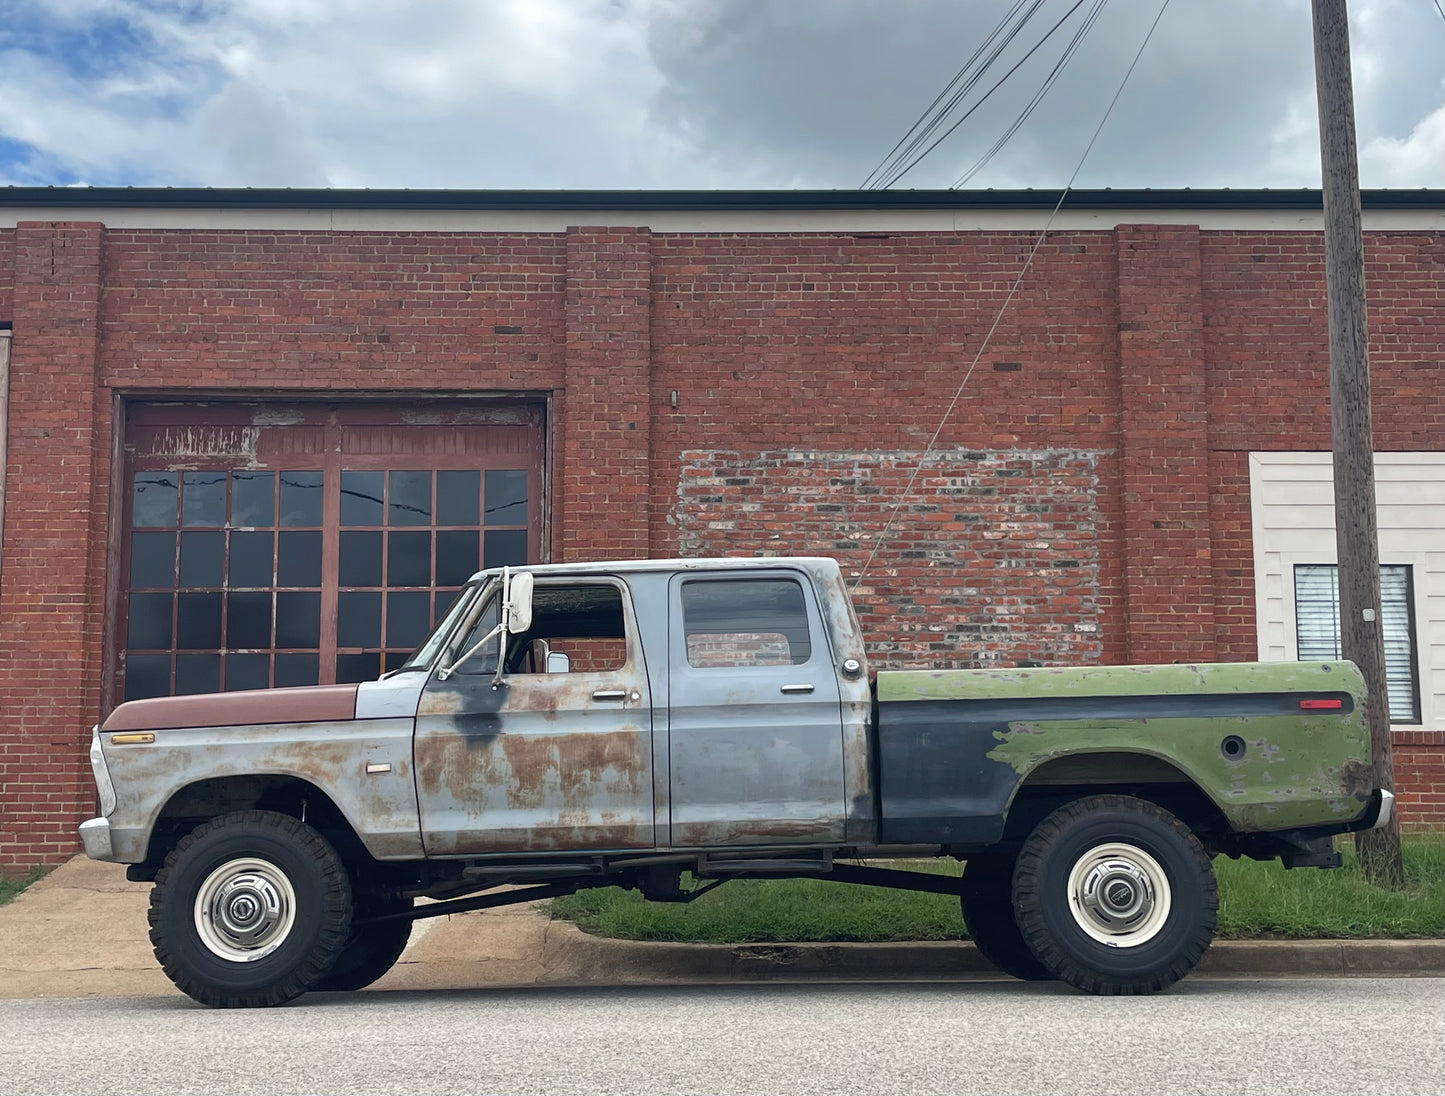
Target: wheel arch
[(283, 793), (1143, 775)]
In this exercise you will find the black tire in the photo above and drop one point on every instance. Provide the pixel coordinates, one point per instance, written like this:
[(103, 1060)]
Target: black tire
[(371, 950), (1115, 895), (988, 914), (250, 910)]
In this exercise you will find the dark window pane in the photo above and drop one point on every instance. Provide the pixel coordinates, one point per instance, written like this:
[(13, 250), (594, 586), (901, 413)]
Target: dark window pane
[(409, 501), (198, 621), (153, 560), (457, 556), (459, 498), (153, 502), (248, 621), (301, 498), (358, 619), (350, 668), (253, 501), (298, 669), (203, 499), (745, 622), (198, 674), (251, 559), (298, 621), (506, 497), (408, 619), (505, 547), (445, 599), (361, 497), (247, 672), (395, 659), (408, 559), (203, 558), (149, 625), (147, 676), (358, 561), (298, 558)]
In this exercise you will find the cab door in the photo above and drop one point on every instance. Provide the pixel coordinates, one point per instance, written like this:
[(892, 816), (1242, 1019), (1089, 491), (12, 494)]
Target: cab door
[(755, 716), (553, 759)]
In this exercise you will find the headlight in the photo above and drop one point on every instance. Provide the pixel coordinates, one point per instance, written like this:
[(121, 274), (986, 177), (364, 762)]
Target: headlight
[(102, 773)]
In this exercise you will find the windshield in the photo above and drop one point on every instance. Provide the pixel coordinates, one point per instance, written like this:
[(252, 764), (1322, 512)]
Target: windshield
[(423, 656)]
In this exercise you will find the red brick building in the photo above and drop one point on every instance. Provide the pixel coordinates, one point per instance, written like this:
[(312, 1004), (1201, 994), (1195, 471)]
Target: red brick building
[(255, 437)]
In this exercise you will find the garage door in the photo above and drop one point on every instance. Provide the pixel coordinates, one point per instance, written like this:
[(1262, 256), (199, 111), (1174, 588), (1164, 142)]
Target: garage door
[(268, 545)]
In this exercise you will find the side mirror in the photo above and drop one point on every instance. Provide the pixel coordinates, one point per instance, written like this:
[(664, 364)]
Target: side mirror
[(519, 603), (558, 663)]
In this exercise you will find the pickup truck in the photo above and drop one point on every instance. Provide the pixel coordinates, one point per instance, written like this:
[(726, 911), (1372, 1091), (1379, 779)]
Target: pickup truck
[(668, 725)]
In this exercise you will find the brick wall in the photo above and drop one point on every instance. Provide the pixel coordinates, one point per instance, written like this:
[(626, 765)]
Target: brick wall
[(1086, 498)]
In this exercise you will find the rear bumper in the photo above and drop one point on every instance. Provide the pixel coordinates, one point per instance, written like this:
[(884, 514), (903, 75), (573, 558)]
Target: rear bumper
[(1383, 807)]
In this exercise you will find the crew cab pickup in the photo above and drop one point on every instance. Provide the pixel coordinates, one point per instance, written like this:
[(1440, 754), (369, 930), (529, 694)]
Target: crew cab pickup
[(671, 724)]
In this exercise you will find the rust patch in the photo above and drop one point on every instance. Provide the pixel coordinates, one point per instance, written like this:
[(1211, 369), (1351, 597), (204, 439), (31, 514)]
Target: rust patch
[(1358, 778), (702, 835)]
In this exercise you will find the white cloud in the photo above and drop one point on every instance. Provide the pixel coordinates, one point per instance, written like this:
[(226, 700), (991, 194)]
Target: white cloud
[(685, 93)]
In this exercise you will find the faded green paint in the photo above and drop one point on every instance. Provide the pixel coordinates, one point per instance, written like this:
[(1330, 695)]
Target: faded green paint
[(1186, 679), (1297, 769)]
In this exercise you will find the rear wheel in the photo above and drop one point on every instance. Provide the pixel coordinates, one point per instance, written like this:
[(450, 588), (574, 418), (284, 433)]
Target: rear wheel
[(988, 914), (250, 909), (1115, 895), (372, 949)]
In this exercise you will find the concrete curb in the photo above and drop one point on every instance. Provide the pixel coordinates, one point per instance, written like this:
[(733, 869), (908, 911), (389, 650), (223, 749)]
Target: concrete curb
[(571, 955)]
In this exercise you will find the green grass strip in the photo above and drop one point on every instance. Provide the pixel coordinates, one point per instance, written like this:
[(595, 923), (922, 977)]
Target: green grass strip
[(12, 885), (1256, 900)]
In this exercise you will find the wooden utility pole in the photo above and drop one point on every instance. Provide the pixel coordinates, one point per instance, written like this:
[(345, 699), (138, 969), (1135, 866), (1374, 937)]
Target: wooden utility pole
[(1356, 536)]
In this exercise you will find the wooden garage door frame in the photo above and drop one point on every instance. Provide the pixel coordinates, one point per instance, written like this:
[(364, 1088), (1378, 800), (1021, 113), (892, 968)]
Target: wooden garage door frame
[(296, 433)]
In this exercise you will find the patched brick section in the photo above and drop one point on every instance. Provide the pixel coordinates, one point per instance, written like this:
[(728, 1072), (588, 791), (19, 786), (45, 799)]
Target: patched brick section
[(50, 573), (601, 505), (993, 560), (1163, 433)]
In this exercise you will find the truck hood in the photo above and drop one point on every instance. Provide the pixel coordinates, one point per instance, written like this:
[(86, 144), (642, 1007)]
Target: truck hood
[(311, 704)]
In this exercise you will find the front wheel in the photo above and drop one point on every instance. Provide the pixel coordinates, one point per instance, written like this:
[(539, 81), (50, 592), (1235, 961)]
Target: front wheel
[(250, 909), (1115, 895)]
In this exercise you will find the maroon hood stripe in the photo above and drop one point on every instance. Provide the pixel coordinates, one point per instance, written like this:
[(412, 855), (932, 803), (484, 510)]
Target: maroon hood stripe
[(313, 704)]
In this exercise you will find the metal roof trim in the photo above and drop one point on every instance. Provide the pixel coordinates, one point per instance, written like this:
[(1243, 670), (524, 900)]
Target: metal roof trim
[(701, 200)]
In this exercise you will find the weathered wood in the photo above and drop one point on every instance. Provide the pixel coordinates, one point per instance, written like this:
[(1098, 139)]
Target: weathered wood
[(1356, 536)]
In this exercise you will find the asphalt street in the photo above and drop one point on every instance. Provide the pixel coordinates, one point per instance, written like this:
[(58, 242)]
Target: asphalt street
[(1311, 1036)]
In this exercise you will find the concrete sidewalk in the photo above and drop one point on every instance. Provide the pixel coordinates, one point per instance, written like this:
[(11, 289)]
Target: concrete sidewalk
[(81, 932)]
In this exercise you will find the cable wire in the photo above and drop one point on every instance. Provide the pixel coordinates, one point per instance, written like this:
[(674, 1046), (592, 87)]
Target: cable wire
[(898, 173), (1028, 262), (1073, 47)]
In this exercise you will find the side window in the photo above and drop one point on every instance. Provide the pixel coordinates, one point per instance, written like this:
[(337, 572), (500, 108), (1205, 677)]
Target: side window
[(584, 621), (745, 622)]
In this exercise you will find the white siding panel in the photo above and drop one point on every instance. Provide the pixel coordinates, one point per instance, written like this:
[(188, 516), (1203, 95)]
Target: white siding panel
[(1292, 508)]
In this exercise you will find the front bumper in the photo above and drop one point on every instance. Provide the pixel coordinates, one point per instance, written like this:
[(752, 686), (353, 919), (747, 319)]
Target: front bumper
[(95, 833)]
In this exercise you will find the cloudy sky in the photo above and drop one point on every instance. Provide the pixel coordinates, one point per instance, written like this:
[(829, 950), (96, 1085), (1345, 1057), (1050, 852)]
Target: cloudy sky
[(692, 93)]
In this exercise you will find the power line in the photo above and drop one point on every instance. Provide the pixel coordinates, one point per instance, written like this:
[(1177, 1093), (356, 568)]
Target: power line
[(1059, 66), (1028, 262), (898, 172)]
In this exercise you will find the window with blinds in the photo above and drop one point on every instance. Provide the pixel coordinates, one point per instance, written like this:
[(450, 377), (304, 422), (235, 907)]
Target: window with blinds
[(1317, 628)]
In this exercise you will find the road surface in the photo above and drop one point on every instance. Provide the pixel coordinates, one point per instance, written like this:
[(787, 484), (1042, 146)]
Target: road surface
[(1313, 1036)]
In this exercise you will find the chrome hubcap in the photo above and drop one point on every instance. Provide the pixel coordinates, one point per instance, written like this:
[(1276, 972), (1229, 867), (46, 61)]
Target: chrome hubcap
[(245, 910), (1119, 895)]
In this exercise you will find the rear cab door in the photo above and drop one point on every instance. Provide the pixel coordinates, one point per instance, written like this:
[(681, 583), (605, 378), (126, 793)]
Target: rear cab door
[(755, 724)]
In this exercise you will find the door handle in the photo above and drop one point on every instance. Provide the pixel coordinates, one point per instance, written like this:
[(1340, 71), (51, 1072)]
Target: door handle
[(610, 694), (793, 689)]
